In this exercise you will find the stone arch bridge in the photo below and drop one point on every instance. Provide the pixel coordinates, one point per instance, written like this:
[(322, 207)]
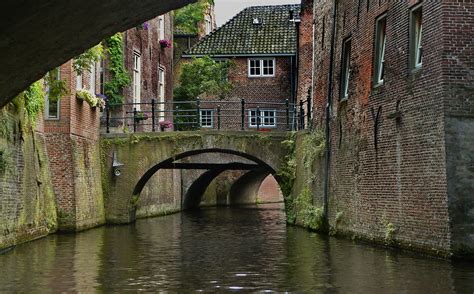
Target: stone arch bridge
[(171, 171)]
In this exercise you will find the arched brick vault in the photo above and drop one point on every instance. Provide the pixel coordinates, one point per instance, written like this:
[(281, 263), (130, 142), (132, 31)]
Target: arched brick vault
[(144, 156), (37, 36)]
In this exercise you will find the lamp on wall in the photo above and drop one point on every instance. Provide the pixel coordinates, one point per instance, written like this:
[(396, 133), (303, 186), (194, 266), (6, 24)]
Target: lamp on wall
[(116, 166)]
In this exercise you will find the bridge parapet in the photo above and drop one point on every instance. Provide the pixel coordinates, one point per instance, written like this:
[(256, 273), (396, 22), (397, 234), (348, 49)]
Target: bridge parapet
[(140, 156)]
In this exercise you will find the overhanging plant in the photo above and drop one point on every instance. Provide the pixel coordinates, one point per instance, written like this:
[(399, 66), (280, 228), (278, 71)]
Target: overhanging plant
[(85, 61)]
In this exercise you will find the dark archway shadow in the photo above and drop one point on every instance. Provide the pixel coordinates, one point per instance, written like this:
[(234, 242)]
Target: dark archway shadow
[(199, 186)]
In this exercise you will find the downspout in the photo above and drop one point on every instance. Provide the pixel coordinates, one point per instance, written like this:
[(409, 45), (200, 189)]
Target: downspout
[(328, 114), (312, 66)]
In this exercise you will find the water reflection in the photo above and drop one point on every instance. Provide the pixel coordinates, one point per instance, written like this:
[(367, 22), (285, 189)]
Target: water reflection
[(221, 249)]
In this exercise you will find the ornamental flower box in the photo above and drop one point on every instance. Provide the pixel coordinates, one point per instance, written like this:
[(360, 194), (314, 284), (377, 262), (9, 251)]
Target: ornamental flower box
[(85, 95)]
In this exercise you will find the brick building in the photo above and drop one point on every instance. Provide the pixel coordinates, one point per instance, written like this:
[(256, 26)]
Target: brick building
[(400, 119), (260, 42), (72, 126), (150, 63)]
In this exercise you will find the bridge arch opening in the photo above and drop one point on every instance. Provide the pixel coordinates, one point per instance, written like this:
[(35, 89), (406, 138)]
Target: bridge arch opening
[(245, 188)]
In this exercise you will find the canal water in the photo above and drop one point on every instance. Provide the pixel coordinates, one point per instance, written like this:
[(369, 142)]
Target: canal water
[(221, 249)]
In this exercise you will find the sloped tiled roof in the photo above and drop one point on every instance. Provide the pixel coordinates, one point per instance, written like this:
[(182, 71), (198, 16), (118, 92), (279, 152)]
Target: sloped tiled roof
[(276, 35)]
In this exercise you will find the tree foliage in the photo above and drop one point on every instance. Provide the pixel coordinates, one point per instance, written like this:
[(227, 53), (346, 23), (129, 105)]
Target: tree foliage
[(203, 76), (187, 18)]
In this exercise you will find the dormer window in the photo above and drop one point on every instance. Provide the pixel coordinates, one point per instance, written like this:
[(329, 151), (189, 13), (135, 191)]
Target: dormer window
[(257, 21)]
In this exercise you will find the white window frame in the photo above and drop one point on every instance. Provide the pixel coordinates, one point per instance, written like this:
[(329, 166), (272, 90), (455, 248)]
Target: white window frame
[(346, 68), (416, 38), (79, 82), (161, 27), (207, 24), (101, 64), (380, 46), (208, 116), (161, 92), (92, 77), (136, 79), (260, 67), (58, 105), (252, 115)]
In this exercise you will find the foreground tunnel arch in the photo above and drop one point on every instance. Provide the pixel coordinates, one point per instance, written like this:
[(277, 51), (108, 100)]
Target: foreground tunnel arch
[(246, 185), (41, 35)]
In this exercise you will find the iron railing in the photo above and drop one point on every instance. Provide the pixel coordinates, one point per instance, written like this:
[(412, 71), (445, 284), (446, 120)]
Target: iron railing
[(206, 114)]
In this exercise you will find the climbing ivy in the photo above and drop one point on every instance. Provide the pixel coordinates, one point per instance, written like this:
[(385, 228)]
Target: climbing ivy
[(187, 19), (120, 78), (33, 98)]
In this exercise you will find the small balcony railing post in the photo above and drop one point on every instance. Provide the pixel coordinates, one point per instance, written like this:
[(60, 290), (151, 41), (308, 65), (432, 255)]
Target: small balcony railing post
[(153, 103), (287, 105), (309, 110), (198, 113), (177, 118), (107, 116), (218, 117), (135, 113), (258, 118), (242, 114)]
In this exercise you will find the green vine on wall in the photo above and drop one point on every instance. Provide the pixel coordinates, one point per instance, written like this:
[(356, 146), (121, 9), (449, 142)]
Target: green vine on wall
[(120, 78), (33, 99)]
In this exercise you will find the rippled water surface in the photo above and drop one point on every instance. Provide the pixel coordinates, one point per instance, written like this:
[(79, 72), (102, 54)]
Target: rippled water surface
[(225, 249)]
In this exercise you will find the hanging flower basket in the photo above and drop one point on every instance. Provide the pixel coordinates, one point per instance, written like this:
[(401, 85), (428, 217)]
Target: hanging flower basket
[(165, 44), (164, 125), (140, 115)]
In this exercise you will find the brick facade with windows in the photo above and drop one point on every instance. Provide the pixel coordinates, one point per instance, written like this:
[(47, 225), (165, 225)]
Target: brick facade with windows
[(400, 149)]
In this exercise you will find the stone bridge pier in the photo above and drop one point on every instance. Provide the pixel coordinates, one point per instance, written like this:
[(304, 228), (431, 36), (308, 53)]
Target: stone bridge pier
[(167, 172)]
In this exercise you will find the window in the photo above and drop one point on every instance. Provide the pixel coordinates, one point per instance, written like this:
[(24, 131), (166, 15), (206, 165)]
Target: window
[(161, 27), (52, 106), (267, 118), (380, 42), (346, 68), (207, 118), (208, 24), (416, 30), (136, 79), (101, 76), (92, 76), (78, 82), (161, 93), (262, 67)]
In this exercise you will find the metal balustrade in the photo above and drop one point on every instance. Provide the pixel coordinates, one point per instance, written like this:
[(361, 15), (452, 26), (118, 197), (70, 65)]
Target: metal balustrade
[(218, 115)]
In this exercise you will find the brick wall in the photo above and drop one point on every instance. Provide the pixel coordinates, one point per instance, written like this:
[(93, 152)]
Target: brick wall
[(387, 171), (73, 154), (458, 87), (305, 52)]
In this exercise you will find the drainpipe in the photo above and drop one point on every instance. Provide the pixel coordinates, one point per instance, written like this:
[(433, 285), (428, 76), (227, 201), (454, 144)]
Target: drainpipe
[(312, 65), (328, 114)]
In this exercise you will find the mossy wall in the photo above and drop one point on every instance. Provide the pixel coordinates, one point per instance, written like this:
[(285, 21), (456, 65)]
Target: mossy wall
[(27, 202)]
